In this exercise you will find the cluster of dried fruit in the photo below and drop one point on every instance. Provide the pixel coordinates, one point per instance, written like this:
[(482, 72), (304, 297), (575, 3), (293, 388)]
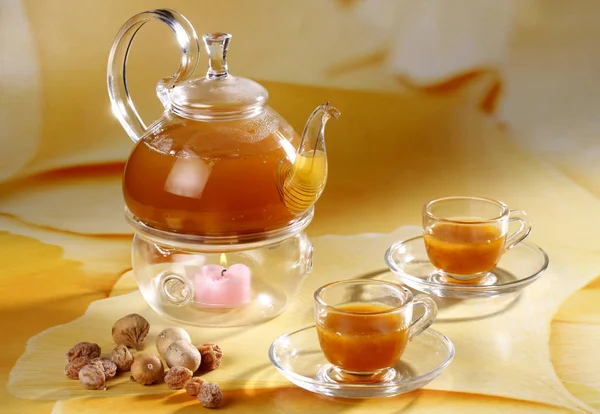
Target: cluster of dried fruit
[(174, 345), (85, 364), (184, 359)]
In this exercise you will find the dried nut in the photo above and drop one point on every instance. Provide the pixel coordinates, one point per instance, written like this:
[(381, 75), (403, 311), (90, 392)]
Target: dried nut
[(92, 377), (130, 330), (106, 365), (167, 336), (211, 355), (147, 369), (210, 395), (177, 377), (192, 387), (183, 354), (83, 349), (72, 369), (122, 358)]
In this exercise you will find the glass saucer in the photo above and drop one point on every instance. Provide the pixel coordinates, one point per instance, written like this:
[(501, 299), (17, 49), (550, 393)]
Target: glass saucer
[(518, 268), (299, 358)]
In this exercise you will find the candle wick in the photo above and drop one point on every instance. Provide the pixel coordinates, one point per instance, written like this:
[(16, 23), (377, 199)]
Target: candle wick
[(223, 271)]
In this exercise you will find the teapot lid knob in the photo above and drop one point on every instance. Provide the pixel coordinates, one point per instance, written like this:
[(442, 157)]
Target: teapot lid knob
[(216, 45), (219, 94)]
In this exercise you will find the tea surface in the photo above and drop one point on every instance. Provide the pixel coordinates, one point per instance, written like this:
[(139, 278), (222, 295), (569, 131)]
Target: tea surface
[(464, 249), (363, 341)]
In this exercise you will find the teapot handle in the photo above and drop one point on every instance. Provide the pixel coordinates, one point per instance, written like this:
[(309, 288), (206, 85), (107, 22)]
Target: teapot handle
[(122, 105)]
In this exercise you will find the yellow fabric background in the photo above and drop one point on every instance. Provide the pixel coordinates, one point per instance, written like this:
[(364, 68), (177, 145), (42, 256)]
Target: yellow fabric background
[(438, 97)]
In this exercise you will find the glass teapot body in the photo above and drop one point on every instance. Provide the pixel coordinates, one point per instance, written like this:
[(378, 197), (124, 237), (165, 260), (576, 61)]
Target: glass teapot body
[(214, 178)]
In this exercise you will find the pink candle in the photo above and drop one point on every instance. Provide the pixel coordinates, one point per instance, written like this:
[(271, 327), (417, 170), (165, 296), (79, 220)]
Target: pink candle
[(218, 286)]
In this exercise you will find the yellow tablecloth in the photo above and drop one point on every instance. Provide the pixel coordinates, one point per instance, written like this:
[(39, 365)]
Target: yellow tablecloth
[(408, 132)]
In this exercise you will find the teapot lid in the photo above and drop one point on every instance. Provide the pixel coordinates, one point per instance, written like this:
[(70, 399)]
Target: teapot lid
[(219, 95)]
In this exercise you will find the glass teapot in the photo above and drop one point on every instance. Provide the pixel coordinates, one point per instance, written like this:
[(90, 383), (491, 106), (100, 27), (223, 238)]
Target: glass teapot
[(219, 162), (218, 190)]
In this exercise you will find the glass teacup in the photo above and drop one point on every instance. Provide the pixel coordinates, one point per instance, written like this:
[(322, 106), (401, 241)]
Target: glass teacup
[(364, 326), (465, 237)]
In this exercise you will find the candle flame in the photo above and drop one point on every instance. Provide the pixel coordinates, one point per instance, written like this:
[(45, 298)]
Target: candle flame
[(223, 259)]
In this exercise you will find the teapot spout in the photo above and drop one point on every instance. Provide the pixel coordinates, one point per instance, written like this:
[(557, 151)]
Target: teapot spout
[(301, 183)]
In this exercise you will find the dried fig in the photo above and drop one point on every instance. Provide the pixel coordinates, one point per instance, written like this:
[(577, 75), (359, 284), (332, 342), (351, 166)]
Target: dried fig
[(211, 355), (122, 358), (192, 387), (83, 349), (130, 330), (106, 365), (72, 369), (92, 377), (177, 377), (210, 395)]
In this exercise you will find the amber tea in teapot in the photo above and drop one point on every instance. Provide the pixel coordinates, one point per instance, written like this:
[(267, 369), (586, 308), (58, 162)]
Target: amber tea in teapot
[(200, 185)]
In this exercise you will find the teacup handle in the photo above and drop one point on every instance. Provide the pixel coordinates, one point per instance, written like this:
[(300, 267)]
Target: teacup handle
[(427, 318), (524, 229)]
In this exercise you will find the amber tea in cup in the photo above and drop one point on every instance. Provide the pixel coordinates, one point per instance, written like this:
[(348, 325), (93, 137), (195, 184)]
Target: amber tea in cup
[(465, 237), (363, 327)]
